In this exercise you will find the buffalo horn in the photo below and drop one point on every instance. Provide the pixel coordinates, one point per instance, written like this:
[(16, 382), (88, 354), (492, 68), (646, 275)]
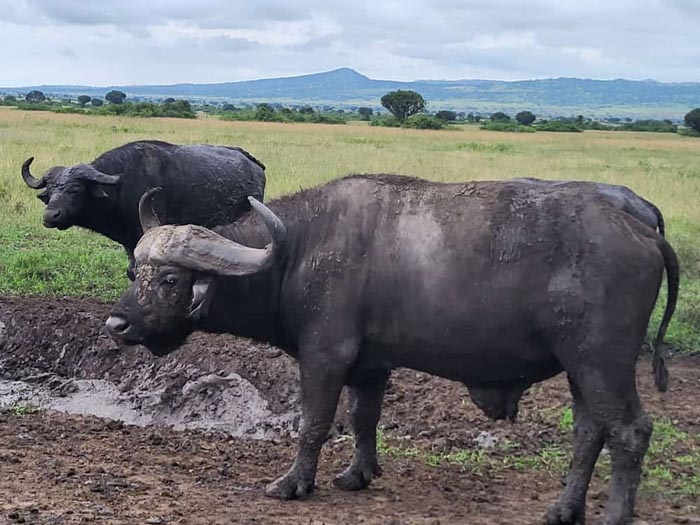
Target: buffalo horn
[(89, 173), (146, 214), (30, 180), (205, 251)]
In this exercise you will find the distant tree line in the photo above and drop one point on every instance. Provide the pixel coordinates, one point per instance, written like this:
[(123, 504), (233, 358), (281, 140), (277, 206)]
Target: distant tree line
[(405, 108), (117, 105), (526, 121)]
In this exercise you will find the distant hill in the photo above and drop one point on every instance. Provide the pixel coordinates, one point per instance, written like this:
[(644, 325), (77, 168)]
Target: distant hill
[(346, 87)]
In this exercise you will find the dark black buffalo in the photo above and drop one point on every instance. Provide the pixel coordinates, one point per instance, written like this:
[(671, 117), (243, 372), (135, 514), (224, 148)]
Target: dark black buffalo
[(203, 184), (503, 284)]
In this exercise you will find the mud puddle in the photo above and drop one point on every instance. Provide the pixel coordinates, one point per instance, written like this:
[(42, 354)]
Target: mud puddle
[(227, 404), (65, 361)]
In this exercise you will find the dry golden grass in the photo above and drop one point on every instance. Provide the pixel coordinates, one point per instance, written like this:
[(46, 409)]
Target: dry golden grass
[(661, 167)]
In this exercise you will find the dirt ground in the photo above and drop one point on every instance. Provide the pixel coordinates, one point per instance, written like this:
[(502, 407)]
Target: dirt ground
[(57, 468)]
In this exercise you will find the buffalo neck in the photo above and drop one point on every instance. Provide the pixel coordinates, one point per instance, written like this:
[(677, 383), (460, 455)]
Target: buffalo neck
[(248, 306), (103, 217)]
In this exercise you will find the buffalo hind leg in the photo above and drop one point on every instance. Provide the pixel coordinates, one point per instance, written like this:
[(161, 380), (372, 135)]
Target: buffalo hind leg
[(628, 441), (365, 408), (322, 373), (605, 383), (570, 508)]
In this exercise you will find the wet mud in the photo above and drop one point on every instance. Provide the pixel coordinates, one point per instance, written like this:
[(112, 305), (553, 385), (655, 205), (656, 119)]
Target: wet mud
[(193, 438)]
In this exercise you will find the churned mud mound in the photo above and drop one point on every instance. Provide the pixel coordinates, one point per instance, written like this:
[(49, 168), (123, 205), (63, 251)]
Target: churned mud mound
[(60, 468), (60, 356)]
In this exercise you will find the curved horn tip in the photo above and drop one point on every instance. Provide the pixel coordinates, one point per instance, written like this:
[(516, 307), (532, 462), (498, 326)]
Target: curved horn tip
[(29, 179), (147, 216)]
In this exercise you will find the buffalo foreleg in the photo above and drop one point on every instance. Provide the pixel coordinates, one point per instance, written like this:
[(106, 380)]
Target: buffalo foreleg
[(365, 406), (322, 372)]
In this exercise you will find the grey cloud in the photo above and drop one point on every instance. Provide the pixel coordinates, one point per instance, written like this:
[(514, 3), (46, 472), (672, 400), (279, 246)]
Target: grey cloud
[(166, 41)]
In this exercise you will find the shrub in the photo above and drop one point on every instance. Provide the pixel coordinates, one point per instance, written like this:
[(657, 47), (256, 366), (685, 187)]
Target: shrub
[(422, 121), (656, 126), (385, 121), (560, 126), (508, 126)]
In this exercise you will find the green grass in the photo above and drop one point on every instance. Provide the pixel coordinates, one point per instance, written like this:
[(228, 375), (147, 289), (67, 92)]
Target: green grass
[(671, 466), (33, 260)]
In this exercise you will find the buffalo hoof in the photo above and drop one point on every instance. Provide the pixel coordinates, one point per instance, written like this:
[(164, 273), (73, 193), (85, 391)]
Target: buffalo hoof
[(357, 478), (290, 486), (565, 514)]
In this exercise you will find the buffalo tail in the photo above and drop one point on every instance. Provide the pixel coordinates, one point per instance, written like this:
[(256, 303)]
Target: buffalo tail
[(672, 279)]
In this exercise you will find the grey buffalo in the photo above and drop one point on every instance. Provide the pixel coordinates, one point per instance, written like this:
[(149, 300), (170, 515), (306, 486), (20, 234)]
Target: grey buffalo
[(621, 197), (505, 283), (501, 402), (204, 184)]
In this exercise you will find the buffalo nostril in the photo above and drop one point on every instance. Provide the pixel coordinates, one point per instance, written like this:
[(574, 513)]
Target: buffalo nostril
[(116, 324), (55, 214)]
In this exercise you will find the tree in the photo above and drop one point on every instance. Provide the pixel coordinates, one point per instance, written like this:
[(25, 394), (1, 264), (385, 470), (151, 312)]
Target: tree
[(97, 102), (10, 99), (306, 110), (115, 97), (403, 103), (35, 96), (499, 116), (526, 118), (83, 99), (447, 116), (169, 100), (229, 107), (365, 113), (692, 119)]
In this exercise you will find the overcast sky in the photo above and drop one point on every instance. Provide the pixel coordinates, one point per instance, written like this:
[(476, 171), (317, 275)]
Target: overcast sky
[(170, 41)]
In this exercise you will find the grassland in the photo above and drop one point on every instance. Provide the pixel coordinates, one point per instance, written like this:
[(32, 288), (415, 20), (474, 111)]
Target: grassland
[(33, 260)]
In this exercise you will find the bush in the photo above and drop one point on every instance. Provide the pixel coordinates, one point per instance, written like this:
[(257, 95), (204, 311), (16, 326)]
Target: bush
[(385, 121), (508, 126), (656, 126), (422, 121), (559, 126)]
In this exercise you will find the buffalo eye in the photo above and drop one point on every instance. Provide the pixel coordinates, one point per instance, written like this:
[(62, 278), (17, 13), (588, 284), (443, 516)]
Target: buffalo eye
[(170, 280), (43, 197)]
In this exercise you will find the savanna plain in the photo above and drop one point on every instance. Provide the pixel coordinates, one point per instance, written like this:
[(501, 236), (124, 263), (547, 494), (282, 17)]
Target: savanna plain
[(444, 462)]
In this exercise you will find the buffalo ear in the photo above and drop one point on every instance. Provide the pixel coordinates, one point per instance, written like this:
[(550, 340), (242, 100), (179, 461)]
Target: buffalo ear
[(201, 298)]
